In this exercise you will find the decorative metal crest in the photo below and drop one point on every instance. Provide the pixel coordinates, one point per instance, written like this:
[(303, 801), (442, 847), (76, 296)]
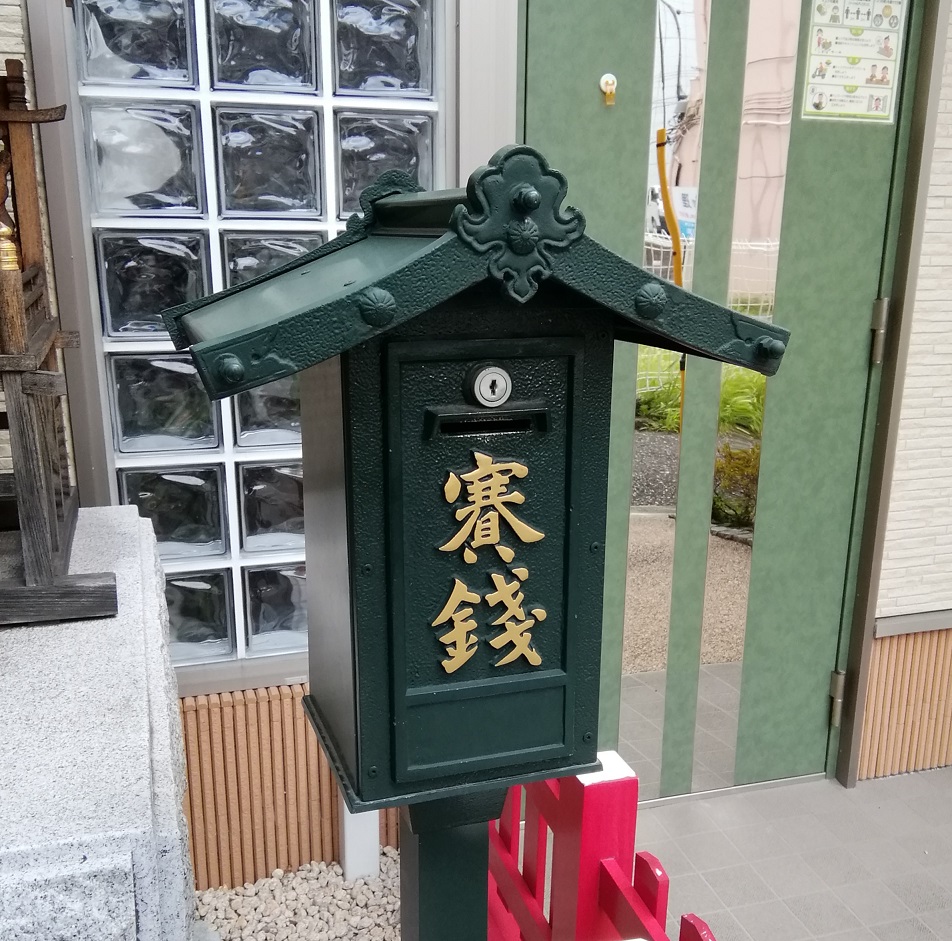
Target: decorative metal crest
[(390, 183), (519, 219)]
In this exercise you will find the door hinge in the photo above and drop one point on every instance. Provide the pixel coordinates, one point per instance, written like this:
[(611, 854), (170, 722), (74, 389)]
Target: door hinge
[(878, 326), (837, 692)]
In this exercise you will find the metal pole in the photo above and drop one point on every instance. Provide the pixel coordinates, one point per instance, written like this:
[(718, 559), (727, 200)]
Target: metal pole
[(444, 867)]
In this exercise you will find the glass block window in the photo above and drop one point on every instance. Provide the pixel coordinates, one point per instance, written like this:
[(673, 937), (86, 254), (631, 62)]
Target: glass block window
[(277, 609), (201, 620), (223, 139)]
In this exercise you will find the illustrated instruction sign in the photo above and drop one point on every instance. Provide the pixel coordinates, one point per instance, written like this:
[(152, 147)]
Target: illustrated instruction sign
[(853, 68)]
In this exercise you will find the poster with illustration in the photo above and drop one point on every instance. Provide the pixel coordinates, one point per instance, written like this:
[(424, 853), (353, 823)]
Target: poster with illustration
[(685, 208), (855, 48)]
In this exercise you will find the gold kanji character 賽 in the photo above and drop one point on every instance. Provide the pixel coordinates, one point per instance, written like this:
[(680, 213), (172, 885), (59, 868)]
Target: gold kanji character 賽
[(488, 497), (460, 641)]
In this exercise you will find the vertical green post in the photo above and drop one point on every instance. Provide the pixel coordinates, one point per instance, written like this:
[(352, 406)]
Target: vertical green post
[(723, 104), (604, 151), (444, 882), (444, 867)]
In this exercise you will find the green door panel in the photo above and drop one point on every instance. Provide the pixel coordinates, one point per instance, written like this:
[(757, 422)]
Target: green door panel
[(837, 201)]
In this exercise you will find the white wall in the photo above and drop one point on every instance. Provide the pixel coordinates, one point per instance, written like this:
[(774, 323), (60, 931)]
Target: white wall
[(11, 30), (917, 564)]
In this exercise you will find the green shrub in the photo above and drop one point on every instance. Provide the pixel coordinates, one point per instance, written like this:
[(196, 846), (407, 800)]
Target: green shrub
[(660, 407), (741, 408), (742, 401), (735, 485)]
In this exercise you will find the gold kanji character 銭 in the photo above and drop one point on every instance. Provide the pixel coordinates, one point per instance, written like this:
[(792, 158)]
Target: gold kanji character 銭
[(460, 642), (517, 625), (488, 497)]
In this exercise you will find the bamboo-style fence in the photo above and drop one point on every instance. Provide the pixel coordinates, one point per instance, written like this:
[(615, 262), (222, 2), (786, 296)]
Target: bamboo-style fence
[(908, 722), (261, 795)]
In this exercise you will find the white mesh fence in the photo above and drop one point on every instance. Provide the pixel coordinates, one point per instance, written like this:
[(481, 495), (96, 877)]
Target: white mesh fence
[(752, 287)]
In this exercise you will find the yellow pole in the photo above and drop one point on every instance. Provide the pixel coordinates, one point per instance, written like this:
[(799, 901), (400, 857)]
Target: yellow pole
[(669, 215), (672, 222)]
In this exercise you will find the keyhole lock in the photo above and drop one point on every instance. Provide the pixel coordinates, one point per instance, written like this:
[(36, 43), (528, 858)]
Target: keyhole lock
[(491, 386)]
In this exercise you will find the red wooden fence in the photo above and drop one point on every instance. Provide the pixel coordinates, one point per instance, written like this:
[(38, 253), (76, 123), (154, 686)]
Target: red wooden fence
[(599, 889)]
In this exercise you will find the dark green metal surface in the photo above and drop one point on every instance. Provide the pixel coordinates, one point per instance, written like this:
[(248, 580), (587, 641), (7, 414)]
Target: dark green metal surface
[(723, 104), (444, 868), (423, 732)]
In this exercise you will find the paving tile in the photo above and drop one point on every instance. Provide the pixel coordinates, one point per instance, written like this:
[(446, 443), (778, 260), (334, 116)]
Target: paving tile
[(932, 806), (723, 696), (940, 923), (930, 848), (789, 876), (731, 810), (851, 823), (705, 740), (650, 747), (630, 681), (921, 892), (820, 797), (872, 902), (720, 759), (897, 818), (877, 789), (727, 672), (774, 802), (649, 829), (715, 719), (628, 746), (738, 885), (703, 779), (806, 833), (906, 929), (636, 695), (838, 866), (725, 927), (684, 819), (883, 857), (656, 680), (771, 921), (671, 856), (758, 841), (727, 735), (710, 851), (856, 934), (688, 894), (635, 728), (652, 711), (822, 913)]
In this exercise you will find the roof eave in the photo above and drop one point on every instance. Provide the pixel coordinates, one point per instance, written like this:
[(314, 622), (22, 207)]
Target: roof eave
[(283, 346), (679, 319)]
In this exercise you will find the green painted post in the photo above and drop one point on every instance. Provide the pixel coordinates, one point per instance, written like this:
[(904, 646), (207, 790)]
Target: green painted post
[(833, 241), (723, 102), (444, 867), (624, 385), (564, 113)]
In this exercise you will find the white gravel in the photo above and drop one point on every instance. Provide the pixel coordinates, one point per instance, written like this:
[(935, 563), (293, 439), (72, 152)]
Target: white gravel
[(312, 903)]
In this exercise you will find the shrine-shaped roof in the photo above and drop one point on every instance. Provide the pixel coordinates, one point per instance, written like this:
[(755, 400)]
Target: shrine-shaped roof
[(410, 251)]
